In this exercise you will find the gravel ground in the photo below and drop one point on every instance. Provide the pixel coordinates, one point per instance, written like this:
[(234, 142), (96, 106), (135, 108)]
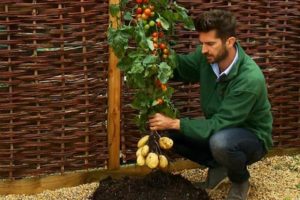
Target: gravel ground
[(274, 178)]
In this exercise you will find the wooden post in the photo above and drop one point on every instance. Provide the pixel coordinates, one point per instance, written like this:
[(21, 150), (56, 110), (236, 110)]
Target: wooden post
[(114, 98)]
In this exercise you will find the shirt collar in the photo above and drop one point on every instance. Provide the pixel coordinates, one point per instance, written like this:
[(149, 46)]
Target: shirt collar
[(216, 68)]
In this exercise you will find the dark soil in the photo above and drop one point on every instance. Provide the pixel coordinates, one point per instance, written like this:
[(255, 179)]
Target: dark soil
[(156, 185)]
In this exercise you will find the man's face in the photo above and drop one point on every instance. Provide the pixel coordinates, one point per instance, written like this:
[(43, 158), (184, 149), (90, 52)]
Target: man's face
[(212, 47)]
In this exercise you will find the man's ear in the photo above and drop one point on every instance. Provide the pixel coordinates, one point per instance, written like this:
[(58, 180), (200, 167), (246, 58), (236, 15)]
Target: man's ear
[(230, 42)]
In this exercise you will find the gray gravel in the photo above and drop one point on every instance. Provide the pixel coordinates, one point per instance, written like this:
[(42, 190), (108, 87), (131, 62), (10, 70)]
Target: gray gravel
[(274, 178)]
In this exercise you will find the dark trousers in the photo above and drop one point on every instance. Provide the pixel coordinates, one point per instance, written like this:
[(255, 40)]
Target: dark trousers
[(233, 148)]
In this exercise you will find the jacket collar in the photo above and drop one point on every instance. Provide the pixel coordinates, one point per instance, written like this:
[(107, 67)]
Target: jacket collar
[(235, 68)]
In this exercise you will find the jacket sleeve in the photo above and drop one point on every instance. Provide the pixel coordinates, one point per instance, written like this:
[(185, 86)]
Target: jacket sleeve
[(232, 112), (188, 67)]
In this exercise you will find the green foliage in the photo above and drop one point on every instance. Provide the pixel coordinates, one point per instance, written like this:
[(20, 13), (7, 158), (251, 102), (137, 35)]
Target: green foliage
[(145, 55)]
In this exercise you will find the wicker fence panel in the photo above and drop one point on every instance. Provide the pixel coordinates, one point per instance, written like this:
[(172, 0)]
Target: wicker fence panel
[(269, 32), (54, 59)]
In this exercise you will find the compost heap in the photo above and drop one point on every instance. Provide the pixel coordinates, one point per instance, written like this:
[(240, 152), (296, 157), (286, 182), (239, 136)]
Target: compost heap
[(157, 185)]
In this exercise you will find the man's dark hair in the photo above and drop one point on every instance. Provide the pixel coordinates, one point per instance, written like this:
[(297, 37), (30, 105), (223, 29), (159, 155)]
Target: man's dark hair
[(222, 21)]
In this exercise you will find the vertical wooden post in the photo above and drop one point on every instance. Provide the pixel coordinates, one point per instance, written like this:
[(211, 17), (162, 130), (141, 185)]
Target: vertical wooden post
[(114, 97)]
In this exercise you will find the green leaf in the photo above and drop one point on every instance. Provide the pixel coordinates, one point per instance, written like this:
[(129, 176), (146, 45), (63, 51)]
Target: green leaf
[(141, 100), (172, 42), (141, 38), (150, 44), (154, 103), (137, 54), (127, 16), (178, 7), (125, 63), (168, 111), (137, 68), (169, 92), (164, 72), (160, 3), (189, 24), (141, 120), (114, 9), (164, 23), (118, 39), (123, 4), (172, 60), (150, 59), (151, 70), (136, 81), (183, 16)]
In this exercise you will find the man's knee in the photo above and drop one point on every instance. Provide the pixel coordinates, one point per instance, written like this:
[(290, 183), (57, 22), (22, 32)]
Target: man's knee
[(219, 145)]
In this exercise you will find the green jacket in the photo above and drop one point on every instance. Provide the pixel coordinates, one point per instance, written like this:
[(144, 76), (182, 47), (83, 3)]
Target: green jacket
[(239, 100)]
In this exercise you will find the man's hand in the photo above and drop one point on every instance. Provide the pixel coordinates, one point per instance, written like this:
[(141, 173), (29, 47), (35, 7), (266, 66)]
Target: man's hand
[(159, 122)]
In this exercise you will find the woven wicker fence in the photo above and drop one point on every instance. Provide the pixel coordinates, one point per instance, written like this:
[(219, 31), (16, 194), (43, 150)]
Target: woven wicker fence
[(54, 61)]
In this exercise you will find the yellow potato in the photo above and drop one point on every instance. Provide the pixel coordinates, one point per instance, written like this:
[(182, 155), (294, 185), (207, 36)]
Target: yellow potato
[(152, 160), (143, 141), (163, 161), (140, 160), (165, 142), (145, 150), (139, 152)]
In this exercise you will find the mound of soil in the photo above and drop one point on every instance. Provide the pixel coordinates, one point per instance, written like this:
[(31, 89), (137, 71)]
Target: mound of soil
[(156, 185)]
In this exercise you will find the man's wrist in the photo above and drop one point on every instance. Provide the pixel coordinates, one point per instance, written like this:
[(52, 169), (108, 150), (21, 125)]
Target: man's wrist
[(176, 124)]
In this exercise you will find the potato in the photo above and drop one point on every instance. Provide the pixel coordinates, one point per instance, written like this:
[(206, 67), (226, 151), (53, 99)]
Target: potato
[(139, 152), (152, 160), (145, 150), (143, 141), (140, 160), (165, 142), (163, 161)]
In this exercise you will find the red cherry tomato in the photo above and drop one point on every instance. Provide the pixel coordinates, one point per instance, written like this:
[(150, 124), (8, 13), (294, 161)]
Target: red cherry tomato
[(162, 46), (161, 34), (158, 83), (139, 1), (139, 10), (155, 34), (158, 24)]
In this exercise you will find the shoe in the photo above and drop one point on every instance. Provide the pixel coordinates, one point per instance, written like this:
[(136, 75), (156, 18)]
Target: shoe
[(215, 177), (239, 191)]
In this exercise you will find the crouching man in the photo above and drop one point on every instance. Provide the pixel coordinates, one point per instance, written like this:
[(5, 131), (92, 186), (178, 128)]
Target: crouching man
[(236, 130)]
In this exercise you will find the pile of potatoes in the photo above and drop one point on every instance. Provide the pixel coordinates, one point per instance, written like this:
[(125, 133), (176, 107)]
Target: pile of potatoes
[(151, 159)]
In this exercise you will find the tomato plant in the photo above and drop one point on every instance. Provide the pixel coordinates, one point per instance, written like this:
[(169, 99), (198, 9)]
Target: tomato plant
[(141, 42)]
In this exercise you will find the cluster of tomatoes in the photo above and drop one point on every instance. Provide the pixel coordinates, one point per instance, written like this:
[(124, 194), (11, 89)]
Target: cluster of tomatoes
[(152, 24), (145, 12), (161, 85), (159, 45)]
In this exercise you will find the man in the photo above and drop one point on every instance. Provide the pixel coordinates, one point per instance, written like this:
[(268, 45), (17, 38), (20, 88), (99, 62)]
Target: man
[(236, 131)]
